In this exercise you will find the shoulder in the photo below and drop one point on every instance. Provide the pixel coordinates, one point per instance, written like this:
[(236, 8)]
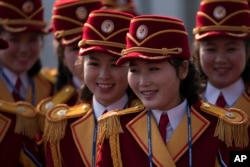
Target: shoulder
[(24, 112), (232, 122), (49, 74), (56, 119), (59, 98), (111, 121)]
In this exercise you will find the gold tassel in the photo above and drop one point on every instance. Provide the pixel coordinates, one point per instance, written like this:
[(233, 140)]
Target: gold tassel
[(109, 127), (108, 124), (41, 122), (56, 155), (27, 126), (115, 150), (232, 133), (54, 131)]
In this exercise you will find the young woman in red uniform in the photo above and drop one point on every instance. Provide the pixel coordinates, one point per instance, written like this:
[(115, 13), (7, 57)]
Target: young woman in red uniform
[(21, 79), (176, 125)]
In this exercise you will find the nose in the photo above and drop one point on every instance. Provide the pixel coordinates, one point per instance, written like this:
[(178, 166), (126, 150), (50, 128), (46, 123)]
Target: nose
[(220, 57), (105, 73), (23, 47), (143, 80)]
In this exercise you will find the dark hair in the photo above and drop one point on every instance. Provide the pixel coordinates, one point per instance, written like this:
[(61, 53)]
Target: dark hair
[(64, 75), (245, 74), (190, 87), (35, 69)]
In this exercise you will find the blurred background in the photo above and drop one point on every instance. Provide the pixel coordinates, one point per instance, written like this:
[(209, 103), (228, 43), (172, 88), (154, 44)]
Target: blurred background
[(182, 9)]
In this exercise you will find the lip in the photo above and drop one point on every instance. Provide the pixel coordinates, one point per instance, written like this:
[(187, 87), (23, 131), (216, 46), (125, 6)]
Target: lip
[(148, 93), (222, 70), (105, 85)]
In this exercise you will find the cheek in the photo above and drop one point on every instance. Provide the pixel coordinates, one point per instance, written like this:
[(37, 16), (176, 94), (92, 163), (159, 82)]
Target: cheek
[(205, 60), (132, 80)]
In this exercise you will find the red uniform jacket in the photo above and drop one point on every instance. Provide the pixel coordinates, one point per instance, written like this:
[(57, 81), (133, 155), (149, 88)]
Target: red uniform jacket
[(12, 143), (134, 142), (76, 145)]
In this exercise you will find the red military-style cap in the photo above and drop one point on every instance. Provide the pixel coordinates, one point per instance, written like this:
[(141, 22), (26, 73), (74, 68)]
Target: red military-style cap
[(223, 18), (69, 17), (22, 15), (3, 44), (105, 31), (155, 38)]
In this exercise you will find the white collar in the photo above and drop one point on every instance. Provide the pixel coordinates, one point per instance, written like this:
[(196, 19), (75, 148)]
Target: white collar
[(13, 77), (119, 104), (231, 93), (175, 114)]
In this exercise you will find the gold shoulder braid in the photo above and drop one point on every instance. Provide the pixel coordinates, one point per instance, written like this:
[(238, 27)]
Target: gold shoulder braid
[(232, 124), (55, 125), (26, 119), (109, 127), (49, 74), (48, 103)]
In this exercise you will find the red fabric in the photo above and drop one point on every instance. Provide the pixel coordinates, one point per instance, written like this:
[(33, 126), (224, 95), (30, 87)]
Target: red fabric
[(16, 93), (158, 33), (221, 102), (75, 10), (3, 44), (163, 126), (129, 145), (22, 15), (223, 18), (106, 31)]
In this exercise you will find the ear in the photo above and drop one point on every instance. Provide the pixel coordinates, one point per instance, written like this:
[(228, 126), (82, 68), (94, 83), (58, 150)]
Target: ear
[(183, 69)]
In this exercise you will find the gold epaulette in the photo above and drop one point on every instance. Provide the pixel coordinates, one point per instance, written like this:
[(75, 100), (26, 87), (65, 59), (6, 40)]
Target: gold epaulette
[(26, 119), (109, 127), (49, 74), (232, 124), (56, 119), (59, 98)]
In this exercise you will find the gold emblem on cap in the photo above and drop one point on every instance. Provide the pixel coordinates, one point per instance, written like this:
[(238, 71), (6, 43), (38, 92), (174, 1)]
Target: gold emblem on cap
[(107, 26), (219, 12), (28, 7), (142, 32), (81, 13)]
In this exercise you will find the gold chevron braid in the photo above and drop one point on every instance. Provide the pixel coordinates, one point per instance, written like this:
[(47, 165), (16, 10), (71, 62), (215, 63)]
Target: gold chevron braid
[(163, 51), (232, 126)]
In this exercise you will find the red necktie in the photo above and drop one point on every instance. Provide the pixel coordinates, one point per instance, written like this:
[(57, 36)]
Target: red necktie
[(16, 93), (163, 126), (221, 102)]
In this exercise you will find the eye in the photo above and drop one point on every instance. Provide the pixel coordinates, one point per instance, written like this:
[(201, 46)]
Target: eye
[(113, 65), (13, 39), (92, 63), (232, 48), (133, 70), (154, 69)]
